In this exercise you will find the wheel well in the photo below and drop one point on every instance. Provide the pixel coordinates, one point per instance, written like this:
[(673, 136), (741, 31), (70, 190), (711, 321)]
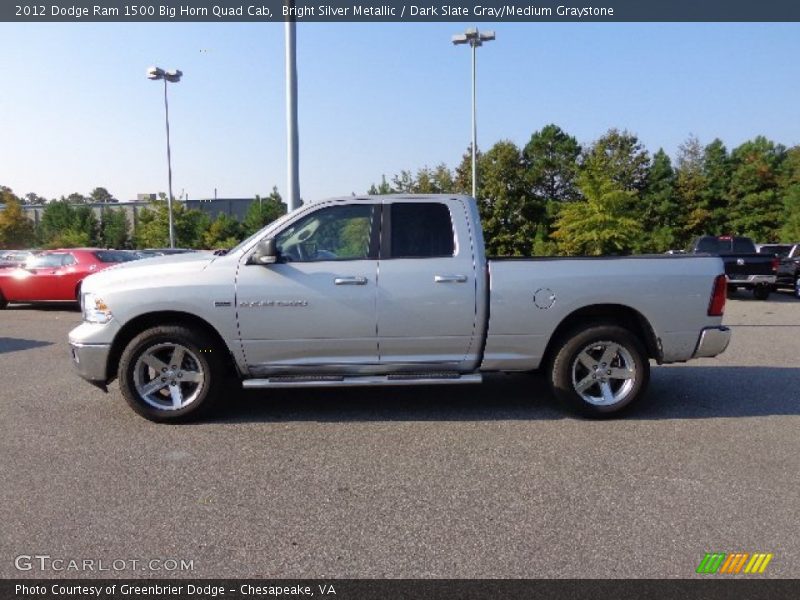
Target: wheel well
[(139, 324), (618, 314)]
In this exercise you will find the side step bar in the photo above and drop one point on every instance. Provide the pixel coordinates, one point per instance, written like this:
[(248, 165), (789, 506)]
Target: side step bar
[(305, 381)]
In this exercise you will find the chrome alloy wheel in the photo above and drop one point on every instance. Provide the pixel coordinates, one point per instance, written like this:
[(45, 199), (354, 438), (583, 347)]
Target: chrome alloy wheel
[(603, 373), (168, 376)]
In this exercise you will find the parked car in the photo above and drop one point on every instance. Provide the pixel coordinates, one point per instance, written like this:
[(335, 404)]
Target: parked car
[(788, 275), (11, 259), (151, 252), (390, 290), (744, 267), (56, 275)]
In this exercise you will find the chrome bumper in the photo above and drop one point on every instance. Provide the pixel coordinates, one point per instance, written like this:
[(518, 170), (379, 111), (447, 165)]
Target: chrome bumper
[(754, 280), (90, 361), (713, 341)]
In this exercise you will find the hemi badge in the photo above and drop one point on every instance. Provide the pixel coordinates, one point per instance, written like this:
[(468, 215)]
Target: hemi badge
[(222, 303)]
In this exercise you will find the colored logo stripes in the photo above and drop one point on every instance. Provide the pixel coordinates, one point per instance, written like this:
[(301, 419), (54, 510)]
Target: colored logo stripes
[(732, 564)]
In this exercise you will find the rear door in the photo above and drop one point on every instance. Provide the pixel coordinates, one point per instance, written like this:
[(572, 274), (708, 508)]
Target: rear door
[(426, 285)]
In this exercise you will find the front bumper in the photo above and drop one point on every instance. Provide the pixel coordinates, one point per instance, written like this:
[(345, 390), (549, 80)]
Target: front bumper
[(713, 341), (90, 361)]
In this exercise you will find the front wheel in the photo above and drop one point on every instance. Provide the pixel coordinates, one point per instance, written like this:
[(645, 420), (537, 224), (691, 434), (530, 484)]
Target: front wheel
[(171, 374), (3, 301), (761, 292), (600, 370)]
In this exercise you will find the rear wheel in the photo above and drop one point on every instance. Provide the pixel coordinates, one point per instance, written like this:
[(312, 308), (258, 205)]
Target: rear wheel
[(761, 292), (797, 288), (3, 301), (171, 374), (600, 371)]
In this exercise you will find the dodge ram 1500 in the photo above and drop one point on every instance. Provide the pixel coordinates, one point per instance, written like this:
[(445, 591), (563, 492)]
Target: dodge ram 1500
[(390, 290)]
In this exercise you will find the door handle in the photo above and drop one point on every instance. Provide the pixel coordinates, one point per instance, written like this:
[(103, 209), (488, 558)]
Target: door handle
[(449, 278), (350, 281)]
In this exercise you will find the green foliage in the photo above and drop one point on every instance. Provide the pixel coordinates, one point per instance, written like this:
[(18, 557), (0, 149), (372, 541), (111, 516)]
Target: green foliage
[(623, 159), (755, 208), (550, 161), (114, 228), (65, 226), (263, 211), (224, 232), (16, 230), (503, 202), (660, 211), (153, 228), (101, 194), (600, 224), (790, 231)]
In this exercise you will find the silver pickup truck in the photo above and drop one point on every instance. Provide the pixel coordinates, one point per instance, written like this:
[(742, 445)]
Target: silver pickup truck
[(390, 290)]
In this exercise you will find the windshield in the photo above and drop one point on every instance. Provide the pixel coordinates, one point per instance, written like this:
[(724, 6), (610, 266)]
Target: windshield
[(114, 256)]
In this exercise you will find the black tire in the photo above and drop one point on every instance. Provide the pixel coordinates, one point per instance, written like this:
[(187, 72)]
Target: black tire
[(3, 301), (761, 292), (797, 288), (568, 370), (201, 359), (78, 293)]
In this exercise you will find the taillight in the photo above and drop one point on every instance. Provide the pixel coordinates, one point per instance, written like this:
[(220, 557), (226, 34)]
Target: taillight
[(776, 262), (717, 304)]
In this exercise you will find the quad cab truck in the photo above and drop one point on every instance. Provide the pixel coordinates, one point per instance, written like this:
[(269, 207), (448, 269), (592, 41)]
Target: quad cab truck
[(390, 290), (788, 275)]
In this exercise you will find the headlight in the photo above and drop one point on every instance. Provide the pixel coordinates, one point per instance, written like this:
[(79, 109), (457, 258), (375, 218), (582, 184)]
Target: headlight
[(94, 309)]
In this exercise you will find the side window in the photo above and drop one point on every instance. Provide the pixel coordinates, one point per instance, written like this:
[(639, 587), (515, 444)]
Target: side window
[(334, 233), (67, 259), (421, 230)]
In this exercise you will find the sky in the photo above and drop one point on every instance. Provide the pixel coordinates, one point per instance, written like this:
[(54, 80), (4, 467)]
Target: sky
[(77, 112)]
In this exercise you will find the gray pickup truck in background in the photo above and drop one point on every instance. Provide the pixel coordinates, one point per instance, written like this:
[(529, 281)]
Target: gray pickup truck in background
[(390, 290)]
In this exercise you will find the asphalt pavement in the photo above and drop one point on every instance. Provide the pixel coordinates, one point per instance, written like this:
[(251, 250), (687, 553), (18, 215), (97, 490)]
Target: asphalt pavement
[(482, 481)]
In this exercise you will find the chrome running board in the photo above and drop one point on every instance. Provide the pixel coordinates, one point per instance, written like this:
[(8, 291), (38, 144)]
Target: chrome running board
[(291, 381)]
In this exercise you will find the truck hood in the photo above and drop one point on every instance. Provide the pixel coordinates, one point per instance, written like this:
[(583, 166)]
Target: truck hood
[(150, 269)]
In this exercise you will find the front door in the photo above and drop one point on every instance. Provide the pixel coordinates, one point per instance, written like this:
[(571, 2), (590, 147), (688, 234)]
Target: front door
[(315, 309)]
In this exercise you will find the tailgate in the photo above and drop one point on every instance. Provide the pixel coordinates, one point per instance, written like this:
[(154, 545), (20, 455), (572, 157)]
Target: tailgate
[(738, 267)]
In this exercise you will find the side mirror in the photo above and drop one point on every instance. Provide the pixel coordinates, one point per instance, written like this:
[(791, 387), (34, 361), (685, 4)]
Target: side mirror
[(266, 253)]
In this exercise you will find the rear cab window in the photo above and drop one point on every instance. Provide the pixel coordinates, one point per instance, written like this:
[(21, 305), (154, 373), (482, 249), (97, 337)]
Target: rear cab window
[(420, 230)]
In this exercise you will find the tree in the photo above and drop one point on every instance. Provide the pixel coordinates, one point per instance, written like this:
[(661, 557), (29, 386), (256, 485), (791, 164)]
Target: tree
[(790, 231), (659, 209), (33, 198), (16, 230), (101, 195), (114, 229), (153, 228), (601, 224), (550, 161), (76, 198), (65, 226), (714, 197), (7, 195), (263, 211), (622, 157), (690, 186), (224, 232), (382, 189), (756, 207), (501, 191)]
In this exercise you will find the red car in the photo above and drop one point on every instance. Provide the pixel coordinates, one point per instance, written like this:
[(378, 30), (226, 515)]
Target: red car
[(56, 274)]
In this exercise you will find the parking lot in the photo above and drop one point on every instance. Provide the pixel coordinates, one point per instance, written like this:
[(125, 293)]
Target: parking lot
[(466, 481)]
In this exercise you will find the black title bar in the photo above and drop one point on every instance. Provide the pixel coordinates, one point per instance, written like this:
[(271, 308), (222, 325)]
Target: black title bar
[(400, 10)]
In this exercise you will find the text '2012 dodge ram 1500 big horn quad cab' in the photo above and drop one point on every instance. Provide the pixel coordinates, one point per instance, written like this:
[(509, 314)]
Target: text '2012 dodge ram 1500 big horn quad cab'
[(390, 290)]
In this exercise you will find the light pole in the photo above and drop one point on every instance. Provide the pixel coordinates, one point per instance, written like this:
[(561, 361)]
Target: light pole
[(174, 76), (475, 39), (292, 136)]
